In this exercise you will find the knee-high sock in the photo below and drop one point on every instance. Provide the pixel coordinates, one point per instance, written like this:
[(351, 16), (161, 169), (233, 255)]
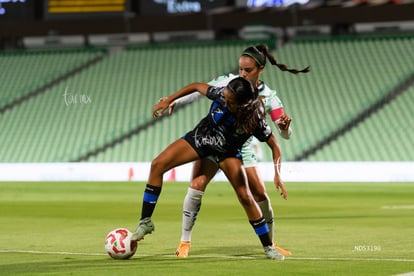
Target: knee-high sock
[(262, 231), (150, 199), (191, 207), (268, 214)]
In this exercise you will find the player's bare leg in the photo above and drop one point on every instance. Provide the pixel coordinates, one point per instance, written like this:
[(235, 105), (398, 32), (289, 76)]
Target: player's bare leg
[(233, 169), (258, 189), (176, 154)]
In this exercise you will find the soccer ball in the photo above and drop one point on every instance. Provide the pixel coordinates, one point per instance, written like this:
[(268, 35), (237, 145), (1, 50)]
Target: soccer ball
[(118, 244)]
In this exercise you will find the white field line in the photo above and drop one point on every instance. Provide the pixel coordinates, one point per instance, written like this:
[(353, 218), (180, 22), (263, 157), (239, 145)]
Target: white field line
[(405, 274), (398, 207), (211, 256), (50, 252)]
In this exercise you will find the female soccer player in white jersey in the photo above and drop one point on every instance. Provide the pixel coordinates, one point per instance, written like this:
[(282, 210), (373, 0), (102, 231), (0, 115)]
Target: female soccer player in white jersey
[(251, 65)]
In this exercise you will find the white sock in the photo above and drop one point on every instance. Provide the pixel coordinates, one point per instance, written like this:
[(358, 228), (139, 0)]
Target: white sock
[(191, 207), (267, 212)]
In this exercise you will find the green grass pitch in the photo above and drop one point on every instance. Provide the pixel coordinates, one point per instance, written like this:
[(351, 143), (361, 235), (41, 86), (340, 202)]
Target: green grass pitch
[(331, 229)]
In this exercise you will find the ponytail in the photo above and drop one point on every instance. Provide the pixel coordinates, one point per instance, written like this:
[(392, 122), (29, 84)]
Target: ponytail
[(260, 52)]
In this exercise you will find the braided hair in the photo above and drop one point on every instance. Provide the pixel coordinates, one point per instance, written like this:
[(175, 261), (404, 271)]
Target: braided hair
[(261, 52), (250, 106)]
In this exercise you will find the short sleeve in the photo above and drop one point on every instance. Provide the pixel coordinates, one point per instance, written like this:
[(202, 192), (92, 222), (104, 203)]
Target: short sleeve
[(274, 106), (214, 92), (263, 131)]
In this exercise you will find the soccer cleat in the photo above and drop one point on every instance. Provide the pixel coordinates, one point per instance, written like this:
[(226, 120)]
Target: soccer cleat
[(183, 249), (144, 227), (282, 251), (272, 253)]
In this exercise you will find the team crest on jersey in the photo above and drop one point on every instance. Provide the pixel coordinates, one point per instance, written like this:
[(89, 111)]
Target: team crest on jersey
[(217, 113)]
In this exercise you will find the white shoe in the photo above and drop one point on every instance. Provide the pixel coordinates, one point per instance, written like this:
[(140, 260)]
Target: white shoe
[(272, 253)]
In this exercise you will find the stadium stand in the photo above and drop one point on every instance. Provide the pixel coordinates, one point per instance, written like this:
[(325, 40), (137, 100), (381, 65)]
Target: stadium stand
[(349, 75), (385, 136), (170, 69), (90, 110), (28, 73), (340, 88), (102, 113)]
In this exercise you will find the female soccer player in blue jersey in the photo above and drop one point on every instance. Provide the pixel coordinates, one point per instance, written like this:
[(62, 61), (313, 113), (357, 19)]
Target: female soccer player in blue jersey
[(235, 115), (252, 63)]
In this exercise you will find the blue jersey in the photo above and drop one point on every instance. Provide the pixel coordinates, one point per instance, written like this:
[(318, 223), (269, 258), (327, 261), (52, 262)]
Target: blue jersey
[(217, 134)]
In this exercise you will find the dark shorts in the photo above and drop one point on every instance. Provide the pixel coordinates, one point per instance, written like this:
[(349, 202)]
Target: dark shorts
[(208, 145)]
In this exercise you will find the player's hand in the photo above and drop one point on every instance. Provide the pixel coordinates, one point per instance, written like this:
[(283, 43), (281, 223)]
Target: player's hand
[(160, 107), (284, 122), (280, 187)]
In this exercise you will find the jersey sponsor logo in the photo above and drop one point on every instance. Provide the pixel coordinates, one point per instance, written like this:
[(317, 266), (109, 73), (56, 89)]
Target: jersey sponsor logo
[(217, 141)]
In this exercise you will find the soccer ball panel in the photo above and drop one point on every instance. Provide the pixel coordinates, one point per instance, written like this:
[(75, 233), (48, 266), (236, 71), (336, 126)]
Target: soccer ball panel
[(118, 244)]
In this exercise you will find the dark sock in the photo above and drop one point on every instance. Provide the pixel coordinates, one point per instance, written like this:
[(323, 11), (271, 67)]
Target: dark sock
[(262, 231), (150, 199)]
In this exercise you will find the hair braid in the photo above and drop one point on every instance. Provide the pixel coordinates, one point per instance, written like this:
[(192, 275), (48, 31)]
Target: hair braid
[(265, 50)]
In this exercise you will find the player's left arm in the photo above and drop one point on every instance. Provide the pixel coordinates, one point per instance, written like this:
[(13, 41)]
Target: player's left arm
[(264, 134), (277, 161)]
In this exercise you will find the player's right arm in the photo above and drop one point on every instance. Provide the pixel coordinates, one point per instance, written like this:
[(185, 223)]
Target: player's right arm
[(218, 81), (165, 102)]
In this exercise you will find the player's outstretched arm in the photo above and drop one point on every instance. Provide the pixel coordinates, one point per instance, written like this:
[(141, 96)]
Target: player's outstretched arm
[(192, 97), (164, 103), (184, 100)]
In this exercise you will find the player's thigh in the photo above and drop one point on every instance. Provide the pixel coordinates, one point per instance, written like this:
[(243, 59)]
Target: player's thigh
[(178, 153), (236, 174)]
